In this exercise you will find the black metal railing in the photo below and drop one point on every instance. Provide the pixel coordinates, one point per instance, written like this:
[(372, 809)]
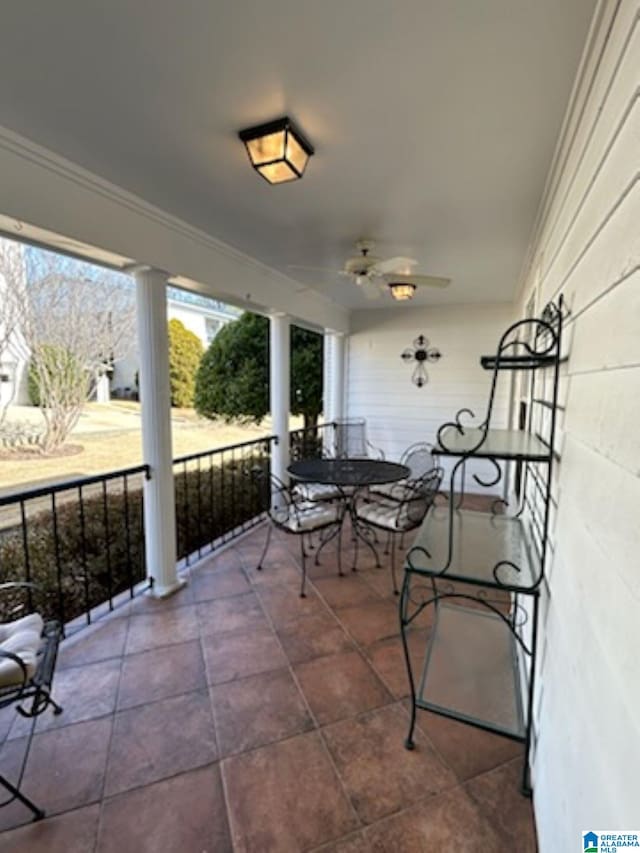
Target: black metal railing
[(80, 542), (218, 495), (312, 442)]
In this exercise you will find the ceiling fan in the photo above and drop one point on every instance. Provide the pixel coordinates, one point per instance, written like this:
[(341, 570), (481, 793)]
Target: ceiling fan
[(374, 275)]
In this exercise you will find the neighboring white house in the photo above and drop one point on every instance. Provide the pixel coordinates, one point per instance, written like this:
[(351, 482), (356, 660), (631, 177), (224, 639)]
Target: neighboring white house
[(13, 362), (199, 314)]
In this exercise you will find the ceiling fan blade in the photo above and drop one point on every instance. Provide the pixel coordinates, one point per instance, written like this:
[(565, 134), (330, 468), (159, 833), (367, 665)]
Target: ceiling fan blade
[(400, 265), (419, 280)]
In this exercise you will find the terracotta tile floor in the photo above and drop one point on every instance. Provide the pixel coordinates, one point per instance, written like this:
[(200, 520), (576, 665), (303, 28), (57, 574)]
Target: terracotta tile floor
[(238, 716)]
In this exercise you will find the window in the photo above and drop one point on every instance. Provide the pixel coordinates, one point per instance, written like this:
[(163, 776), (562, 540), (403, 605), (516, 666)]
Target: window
[(211, 328)]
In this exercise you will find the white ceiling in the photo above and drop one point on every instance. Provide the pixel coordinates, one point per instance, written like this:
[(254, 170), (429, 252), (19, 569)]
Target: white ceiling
[(434, 121)]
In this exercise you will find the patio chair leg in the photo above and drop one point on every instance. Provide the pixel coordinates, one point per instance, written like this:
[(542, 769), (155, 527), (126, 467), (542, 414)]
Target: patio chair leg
[(318, 550), (38, 814), (303, 554), (393, 564), (265, 549), (339, 541), (387, 546), (57, 709)]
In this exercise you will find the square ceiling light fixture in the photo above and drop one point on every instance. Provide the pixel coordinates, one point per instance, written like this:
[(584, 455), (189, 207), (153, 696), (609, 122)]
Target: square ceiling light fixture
[(278, 150), (402, 291)]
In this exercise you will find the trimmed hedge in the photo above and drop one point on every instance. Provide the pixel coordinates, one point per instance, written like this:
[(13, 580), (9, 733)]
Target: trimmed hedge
[(209, 503), (306, 444), (185, 354)]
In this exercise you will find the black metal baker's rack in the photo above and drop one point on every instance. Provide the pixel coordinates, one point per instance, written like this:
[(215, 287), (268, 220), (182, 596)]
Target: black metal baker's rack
[(482, 572)]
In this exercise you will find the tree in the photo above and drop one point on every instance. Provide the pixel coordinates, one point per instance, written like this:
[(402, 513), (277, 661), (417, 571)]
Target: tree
[(233, 379), (75, 321), (185, 353), (306, 375)]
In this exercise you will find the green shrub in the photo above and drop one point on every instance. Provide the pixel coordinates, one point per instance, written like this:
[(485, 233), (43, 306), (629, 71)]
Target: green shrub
[(233, 378), (213, 500), (185, 353), (54, 361), (305, 444), (102, 553)]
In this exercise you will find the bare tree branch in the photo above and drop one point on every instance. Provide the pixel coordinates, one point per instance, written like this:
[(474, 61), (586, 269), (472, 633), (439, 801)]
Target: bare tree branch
[(76, 321)]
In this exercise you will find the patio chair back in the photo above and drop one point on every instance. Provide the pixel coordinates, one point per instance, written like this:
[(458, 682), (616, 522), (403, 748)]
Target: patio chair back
[(351, 438), (419, 459), (420, 495)]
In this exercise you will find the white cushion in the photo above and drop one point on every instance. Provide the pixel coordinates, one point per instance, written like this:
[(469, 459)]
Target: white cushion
[(396, 491), (390, 516), (32, 622), (25, 644), (317, 492), (307, 516)]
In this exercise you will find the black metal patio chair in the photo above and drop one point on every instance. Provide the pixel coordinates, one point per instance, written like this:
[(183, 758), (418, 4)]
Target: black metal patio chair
[(351, 442), (419, 459), (398, 515), (28, 655), (303, 518)]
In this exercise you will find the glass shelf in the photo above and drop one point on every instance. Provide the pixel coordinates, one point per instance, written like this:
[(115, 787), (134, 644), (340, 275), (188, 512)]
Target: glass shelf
[(471, 671), (517, 362), (497, 444), (480, 541)]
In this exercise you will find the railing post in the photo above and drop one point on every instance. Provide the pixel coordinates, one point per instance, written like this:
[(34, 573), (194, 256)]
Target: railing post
[(155, 396), (279, 382)]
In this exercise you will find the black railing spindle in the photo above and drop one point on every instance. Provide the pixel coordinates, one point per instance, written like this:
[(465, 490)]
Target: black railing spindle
[(25, 547), (83, 556), (107, 538)]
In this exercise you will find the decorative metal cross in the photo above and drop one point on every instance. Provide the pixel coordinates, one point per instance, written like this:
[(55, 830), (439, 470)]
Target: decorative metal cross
[(421, 353)]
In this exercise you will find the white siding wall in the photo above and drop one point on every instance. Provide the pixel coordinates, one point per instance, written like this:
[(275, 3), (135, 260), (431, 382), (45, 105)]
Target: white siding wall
[(379, 386), (588, 248)]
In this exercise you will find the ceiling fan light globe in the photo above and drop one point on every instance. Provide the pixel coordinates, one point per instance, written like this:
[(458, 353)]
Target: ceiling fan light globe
[(402, 291)]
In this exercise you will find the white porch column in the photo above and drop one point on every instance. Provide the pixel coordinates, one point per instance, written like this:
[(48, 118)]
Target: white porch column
[(279, 382), (335, 392), (155, 397), (327, 367)]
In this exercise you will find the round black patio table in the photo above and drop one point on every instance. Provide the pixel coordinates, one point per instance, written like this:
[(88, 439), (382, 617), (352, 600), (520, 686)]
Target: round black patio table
[(347, 472)]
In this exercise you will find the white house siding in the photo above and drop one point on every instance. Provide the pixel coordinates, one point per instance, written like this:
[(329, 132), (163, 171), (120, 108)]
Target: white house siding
[(379, 385), (193, 318), (13, 361), (588, 247)]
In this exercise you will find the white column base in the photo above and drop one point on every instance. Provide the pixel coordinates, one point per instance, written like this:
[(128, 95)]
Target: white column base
[(159, 591)]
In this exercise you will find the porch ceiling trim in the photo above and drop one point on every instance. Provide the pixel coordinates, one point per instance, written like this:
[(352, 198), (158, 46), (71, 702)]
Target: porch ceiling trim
[(47, 191)]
